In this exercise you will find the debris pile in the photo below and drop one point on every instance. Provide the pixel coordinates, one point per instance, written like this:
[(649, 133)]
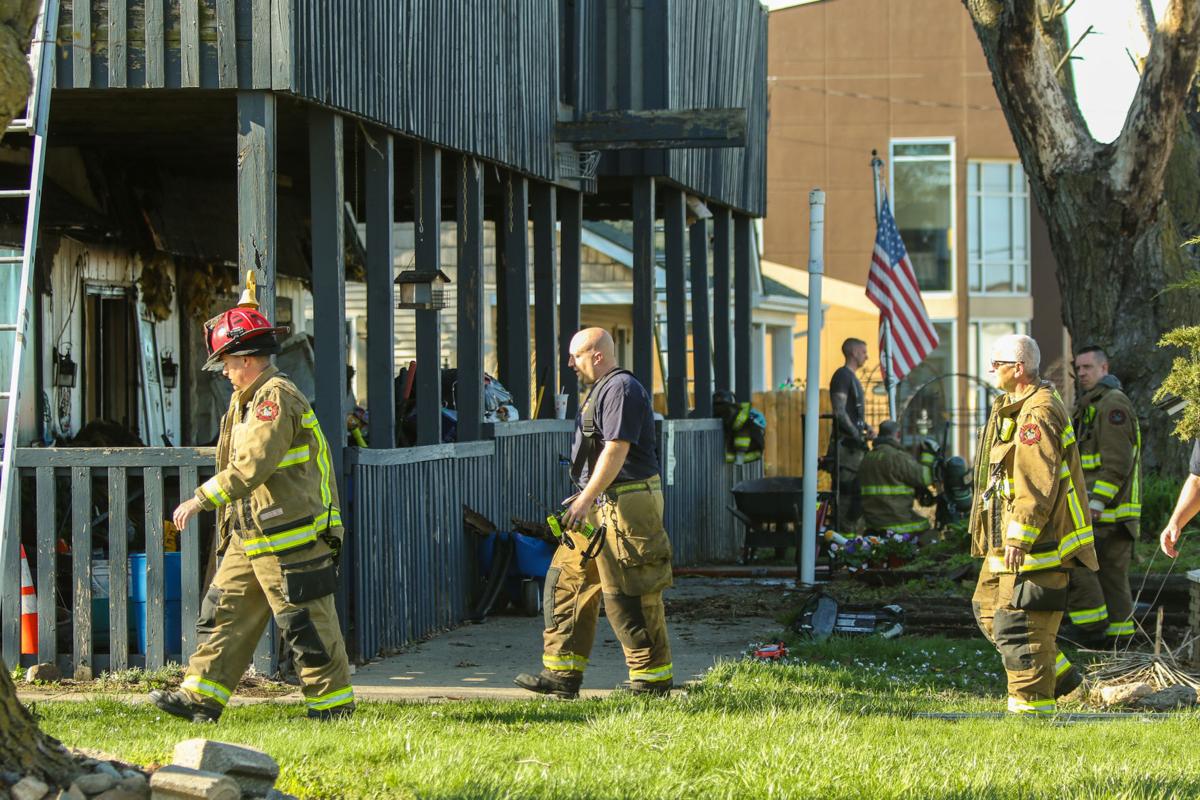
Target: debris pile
[(1153, 681), (201, 769)]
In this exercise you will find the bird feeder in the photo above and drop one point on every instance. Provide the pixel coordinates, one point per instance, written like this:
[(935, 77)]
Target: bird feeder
[(170, 370), (64, 370), (422, 289)]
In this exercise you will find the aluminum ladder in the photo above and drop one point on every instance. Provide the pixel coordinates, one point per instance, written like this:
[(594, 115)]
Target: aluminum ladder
[(17, 297)]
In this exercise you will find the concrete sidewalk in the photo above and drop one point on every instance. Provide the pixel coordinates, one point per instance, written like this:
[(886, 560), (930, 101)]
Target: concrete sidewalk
[(709, 619)]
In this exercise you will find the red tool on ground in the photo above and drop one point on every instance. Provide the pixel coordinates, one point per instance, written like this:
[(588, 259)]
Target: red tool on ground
[(771, 652)]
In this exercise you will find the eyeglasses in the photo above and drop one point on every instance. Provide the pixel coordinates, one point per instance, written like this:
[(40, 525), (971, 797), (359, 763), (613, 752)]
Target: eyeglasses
[(997, 364)]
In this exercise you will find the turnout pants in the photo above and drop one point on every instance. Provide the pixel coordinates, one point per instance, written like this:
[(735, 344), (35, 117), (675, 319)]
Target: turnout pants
[(1020, 615), (631, 572), (850, 505), (297, 588), (1101, 602)]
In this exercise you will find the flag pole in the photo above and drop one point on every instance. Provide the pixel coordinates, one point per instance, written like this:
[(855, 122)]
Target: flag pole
[(885, 357)]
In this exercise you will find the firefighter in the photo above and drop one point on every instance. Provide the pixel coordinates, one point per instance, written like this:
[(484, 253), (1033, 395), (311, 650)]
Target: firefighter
[(745, 428), (891, 479), (1100, 606), (848, 445), (1030, 525), (280, 532), (615, 464)]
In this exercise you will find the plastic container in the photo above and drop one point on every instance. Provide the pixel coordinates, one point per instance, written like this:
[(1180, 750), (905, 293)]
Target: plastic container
[(172, 591), (100, 601), (533, 555)]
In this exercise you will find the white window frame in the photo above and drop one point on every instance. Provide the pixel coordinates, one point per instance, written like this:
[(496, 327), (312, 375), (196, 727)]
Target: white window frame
[(982, 292), (953, 157), (954, 366)]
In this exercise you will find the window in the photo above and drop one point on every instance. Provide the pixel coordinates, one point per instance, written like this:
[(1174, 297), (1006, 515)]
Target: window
[(923, 204), (981, 338), (997, 228)]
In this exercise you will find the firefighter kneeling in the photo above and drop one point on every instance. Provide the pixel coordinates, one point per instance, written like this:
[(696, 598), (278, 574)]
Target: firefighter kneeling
[(280, 529), (891, 479), (1029, 523)]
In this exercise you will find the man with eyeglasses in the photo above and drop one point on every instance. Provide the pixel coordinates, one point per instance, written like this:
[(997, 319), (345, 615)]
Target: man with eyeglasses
[(1030, 525)]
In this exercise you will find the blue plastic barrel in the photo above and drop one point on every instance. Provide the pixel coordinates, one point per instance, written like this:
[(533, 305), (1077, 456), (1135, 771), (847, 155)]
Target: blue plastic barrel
[(172, 591)]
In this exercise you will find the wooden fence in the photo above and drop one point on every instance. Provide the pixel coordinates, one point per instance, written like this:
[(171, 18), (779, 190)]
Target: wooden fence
[(783, 453)]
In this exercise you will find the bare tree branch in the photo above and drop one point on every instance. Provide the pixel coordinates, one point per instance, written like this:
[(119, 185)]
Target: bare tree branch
[(1145, 14), (1150, 128), (1067, 55)]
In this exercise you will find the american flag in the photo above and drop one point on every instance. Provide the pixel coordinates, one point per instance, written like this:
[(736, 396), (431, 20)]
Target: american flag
[(892, 285)]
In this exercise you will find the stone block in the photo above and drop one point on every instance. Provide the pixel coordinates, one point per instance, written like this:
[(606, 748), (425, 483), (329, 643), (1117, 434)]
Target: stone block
[(106, 768), (72, 793), (43, 672), (95, 783), (28, 788), (1124, 693), (253, 769), (120, 792), (181, 783), (1169, 698)]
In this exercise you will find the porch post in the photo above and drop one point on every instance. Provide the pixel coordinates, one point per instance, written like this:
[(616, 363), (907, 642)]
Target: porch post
[(722, 288), (743, 365), (701, 341), (257, 192), (643, 282), (381, 366), (328, 279), (673, 241), (512, 291), (468, 395), (427, 189), (542, 196), (781, 355), (571, 220)]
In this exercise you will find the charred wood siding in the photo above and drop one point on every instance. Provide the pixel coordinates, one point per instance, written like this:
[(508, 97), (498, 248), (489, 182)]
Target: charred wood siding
[(479, 76), (681, 54)]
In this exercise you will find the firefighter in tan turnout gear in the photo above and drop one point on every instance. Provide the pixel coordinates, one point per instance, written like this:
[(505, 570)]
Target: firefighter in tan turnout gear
[(891, 479), (280, 532), (615, 462), (1030, 525), (1100, 606)]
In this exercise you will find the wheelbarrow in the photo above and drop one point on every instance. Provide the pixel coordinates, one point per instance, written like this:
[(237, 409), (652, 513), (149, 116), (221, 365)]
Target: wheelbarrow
[(770, 510)]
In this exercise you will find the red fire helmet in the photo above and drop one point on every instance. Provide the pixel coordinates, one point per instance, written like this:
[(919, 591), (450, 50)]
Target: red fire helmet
[(239, 331)]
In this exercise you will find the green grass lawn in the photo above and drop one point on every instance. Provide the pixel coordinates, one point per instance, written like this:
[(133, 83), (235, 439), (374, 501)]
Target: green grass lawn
[(835, 721)]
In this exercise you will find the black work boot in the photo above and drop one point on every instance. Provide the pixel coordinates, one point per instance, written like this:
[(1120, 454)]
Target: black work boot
[(177, 703), (327, 714), (1068, 682), (660, 688), (564, 684)]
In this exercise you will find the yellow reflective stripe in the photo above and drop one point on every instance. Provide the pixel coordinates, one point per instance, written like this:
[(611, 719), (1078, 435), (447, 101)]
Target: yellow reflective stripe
[(207, 688), (339, 698), (1032, 562), (663, 673), (213, 491), (1068, 436), (1007, 488), (909, 527), (1021, 532), (741, 441), (1090, 460), (1120, 628), (328, 520), (887, 489), (279, 542), (1128, 511), (297, 455), (1036, 707), (1088, 615), (1076, 540), (742, 415), (1061, 665), (309, 420), (564, 662), (1105, 489)]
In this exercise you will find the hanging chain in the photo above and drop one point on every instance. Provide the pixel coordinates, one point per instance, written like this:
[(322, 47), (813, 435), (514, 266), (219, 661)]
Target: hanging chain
[(420, 197)]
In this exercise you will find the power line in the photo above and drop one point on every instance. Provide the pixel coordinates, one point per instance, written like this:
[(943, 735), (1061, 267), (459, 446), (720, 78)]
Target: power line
[(901, 101)]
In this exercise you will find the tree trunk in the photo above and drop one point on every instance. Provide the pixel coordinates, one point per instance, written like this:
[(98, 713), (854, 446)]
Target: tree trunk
[(1117, 213), (24, 749)]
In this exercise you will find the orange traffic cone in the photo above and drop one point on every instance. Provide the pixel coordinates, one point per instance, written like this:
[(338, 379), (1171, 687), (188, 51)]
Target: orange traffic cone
[(29, 619)]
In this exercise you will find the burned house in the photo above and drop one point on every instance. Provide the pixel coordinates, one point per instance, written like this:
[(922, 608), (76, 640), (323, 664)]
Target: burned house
[(192, 141)]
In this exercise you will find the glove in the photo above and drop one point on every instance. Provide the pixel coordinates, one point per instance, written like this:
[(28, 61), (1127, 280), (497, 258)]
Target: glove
[(930, 445)]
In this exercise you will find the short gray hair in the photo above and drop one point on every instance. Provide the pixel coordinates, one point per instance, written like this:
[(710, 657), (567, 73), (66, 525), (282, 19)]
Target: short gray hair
[(1019, 347)]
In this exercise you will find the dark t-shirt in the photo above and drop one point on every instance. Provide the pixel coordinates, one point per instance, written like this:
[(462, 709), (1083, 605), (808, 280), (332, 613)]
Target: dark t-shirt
[(1194, 463), (844, 381), (623, 412)]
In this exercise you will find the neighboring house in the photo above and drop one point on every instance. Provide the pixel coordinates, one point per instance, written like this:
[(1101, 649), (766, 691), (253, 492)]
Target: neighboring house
[(909, 80)]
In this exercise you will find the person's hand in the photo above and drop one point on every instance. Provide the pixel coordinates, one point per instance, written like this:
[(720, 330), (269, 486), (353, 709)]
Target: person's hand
[(1095, 515), (185, 511), (577, 511), (1169, 539), (870, 433), (1014, 557)]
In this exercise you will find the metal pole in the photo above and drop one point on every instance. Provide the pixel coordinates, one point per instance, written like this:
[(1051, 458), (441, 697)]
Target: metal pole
[(807, 551), (885, 327)]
